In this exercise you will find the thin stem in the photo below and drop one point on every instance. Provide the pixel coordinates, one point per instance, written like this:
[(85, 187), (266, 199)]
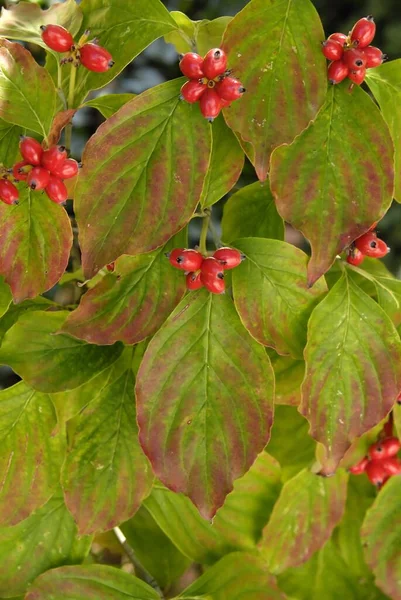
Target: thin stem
[(70, 104), (203, 234)]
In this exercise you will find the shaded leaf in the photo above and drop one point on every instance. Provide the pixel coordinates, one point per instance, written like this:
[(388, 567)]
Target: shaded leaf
[(89, 582), (318, 186), (48, 537), (289, 374), (303, 518), (251, 212), (5, 297), (49, 362), (9, 142), (16, 310), (272, 296), (108, 104), (280, 63), (196, 36), (353, 369), (132, 303), (211, 387), (142, 176)]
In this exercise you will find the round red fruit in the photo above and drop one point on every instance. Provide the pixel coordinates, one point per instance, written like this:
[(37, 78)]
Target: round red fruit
[(230, 89), (210, 104), (110, 267), (185, 260), (355, 257), (374, 57), (18, 171), (339, 37), (229, 258), (376, 473), (212, 275), (391, 465), (360, 467), (31, 150), (191, 91), (53, 158), (68, 169), (38, 178), (363, 32), (191, 65), (194, 281), (385, 448), (357, 76), (354, 59), (95, 58), (370, 245), (56, 190), (8, 192), (332, 49), (214, 63), (337, 71), (57, 38)]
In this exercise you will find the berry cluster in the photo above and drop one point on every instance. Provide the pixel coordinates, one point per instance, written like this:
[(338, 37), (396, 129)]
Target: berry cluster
[(207, 271), (89, 54), (351, 54), (381, 462), (210, 82), (366, 245), (45, 169)]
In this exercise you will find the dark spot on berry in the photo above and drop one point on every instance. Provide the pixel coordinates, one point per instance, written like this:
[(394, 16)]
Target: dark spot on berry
[(220, 275), (111, 63), (179, 260), (373, 244), (217, 54), (359, 62), (43, 27)]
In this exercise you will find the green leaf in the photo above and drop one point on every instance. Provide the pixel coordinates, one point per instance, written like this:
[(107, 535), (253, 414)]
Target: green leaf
[(381, 538), (251, 212), (196, 36), (89, 581), (46, 539), (289, 374), (124, 31), (272, 296), (204, 400), (303, 518), (9, 142), (133, 302), (108, 104), (30, 470), (160, 557), (50, 362), (27, 92), (321, 189), (384, 83), (106, 475), (145, 184), (5, 297), (280, 63), (16, 310), (34, 245), (226, 164), (236, 577), (353, 369)]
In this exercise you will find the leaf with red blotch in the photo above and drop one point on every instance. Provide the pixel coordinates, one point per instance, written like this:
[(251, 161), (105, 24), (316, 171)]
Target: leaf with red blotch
[(142, 176), (319, 185), (35, 243), (353, 369), (303, 518), (204, 399), (274, 49)]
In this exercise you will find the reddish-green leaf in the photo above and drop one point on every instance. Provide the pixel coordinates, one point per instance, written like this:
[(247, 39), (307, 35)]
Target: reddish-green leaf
[(304, 516), (381, 537), (46, 539), (142, 177), (289, 374), (251, 212), (108, 104), (133, 302), (49, 362), (353, 374), (29, 471), (204, 396), (272, 296), (5, 297), (319, 185), (9, 142), (274, 49), (89, 582), (106, 475), (35, 242)]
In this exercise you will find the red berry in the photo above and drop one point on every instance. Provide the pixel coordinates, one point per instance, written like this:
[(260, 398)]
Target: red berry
[(56, 190), (357, 76), (95, 58), (339, 37), (69, 168), (194, 281), (370, 245), (385, 448), (53, 158), (57, 38), (391, 465), (355, 257), (20, 176), (229, 258), (110, 267), (374, 56), (376, 473), (360, 467), (210, 104), (225, 102), (337, 71), (31, 150), (214, 63), (354, 59), (191, 91), (332, 49), (186, 260), (230, 89), (191, 65), (8, 192), (38, 178), (212, 275), (363, 32)]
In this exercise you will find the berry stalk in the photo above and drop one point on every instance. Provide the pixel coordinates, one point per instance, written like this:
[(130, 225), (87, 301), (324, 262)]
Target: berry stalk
[(70, 104), (203, 234)]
